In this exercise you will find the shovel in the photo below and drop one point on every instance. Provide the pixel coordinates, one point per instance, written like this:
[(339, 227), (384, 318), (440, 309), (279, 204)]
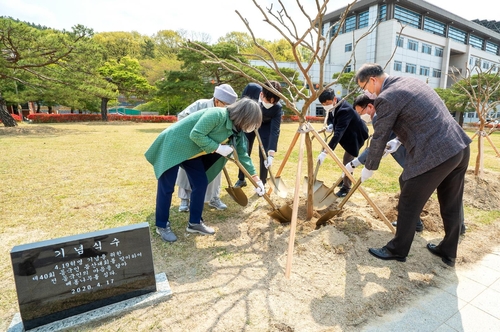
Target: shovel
[(318, 185), (278, 185), (282, 214), (324, 218), (236, 194), (324, 198)]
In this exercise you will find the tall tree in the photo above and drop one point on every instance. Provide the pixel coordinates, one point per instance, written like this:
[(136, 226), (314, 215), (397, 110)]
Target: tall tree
[(36, 58), (127, 76), (119, 44)]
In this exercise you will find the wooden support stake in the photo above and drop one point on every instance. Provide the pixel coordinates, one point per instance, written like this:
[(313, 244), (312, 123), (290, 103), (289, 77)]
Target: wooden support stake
[(349, 175), (295, 208)]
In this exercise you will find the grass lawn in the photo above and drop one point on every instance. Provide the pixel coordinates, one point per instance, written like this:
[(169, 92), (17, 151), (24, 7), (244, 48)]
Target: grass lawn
[(66, 179)]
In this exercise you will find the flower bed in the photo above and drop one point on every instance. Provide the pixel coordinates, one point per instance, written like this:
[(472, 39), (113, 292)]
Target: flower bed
[(75, 117), (295, 118), (60, 118), (14, 116)]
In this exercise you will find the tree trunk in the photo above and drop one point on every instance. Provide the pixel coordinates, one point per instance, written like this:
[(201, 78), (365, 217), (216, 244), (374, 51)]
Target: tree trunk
[(310, 193), (49, 109), (478, 171), (104, 109), (461, 119), (37, 107), (7, 119)]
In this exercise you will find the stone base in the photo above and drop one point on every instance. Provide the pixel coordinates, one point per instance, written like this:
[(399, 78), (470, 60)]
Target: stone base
[(163, 291)]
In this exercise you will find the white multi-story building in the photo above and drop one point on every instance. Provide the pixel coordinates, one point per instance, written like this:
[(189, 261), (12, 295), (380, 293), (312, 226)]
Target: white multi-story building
[(412, 38)]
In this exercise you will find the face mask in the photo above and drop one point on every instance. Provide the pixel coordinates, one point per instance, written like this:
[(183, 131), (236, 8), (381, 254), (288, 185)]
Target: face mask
[(328, 107), (267, 105), (366, 118), (370, 95)]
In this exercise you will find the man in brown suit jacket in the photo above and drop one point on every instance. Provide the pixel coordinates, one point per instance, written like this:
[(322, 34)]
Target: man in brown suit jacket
[(437, 157)]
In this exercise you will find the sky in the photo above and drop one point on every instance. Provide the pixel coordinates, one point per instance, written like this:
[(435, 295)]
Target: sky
[(213, 17)]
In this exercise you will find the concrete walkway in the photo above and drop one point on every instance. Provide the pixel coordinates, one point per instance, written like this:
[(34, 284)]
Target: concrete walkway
[(469, 303)]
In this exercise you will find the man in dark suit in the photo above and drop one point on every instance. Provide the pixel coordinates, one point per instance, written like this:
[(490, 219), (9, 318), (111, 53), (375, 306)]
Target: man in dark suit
[(437, 157), (348, 130)]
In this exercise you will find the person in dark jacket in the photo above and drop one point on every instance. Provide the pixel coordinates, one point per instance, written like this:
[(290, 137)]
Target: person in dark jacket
[(269, 130), (414, 112), (364, 106), (348, 130)]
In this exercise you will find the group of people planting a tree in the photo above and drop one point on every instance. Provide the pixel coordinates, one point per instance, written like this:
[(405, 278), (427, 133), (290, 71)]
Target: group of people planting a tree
[(405, 114)]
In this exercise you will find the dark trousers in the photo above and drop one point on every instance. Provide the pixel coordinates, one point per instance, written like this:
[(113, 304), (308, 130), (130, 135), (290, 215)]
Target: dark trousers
[(262, 168), (448, 179), (347, 158), (166, 183)]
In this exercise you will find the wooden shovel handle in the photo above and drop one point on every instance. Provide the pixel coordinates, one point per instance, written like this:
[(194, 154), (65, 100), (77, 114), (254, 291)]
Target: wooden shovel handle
[(288, 153), (249, 177)]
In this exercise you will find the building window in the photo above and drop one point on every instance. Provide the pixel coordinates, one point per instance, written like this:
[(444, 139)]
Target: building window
[(476, 42), (471, 61), (411, 68), (436, 73), (320, 111), (424, 71), (457, 34), (426, 48), (398, 65), (478, 62), (363, 20), (438, 51), (399, 41), (406, 16), (348, 47), (347, 69), (434, 27), (491, 47), (486, 65), (412, 45), (350, 23), (334, 30), (382, 13)]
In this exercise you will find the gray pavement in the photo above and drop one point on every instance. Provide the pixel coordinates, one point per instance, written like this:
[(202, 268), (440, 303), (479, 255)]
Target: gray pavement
[(469, 303)]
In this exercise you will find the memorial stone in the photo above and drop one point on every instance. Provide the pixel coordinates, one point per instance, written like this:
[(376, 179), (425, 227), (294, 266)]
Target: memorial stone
[(63, 277)]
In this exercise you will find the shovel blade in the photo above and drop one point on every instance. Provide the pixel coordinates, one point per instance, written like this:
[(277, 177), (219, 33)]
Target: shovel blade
[(324, 218), (279, 187), (238, 195), (282, 214), (316, 185), (323, 198)]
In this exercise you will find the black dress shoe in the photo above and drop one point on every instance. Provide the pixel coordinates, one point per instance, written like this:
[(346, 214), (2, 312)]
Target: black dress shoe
[(436, 251), (385, 254), (420, 225)]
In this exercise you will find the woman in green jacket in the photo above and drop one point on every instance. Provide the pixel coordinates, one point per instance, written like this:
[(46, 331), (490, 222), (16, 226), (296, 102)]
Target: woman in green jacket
[(198, 144)]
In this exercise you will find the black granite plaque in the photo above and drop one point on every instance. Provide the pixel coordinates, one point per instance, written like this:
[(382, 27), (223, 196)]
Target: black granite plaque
[(59, 278)]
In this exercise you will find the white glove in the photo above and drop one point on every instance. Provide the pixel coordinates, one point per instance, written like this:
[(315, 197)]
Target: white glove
[(260, 190), (392, 146), (350, 167), (224, 150), (269, 161), (321, 157), (366, 174), (329, 129), (356, 162)]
